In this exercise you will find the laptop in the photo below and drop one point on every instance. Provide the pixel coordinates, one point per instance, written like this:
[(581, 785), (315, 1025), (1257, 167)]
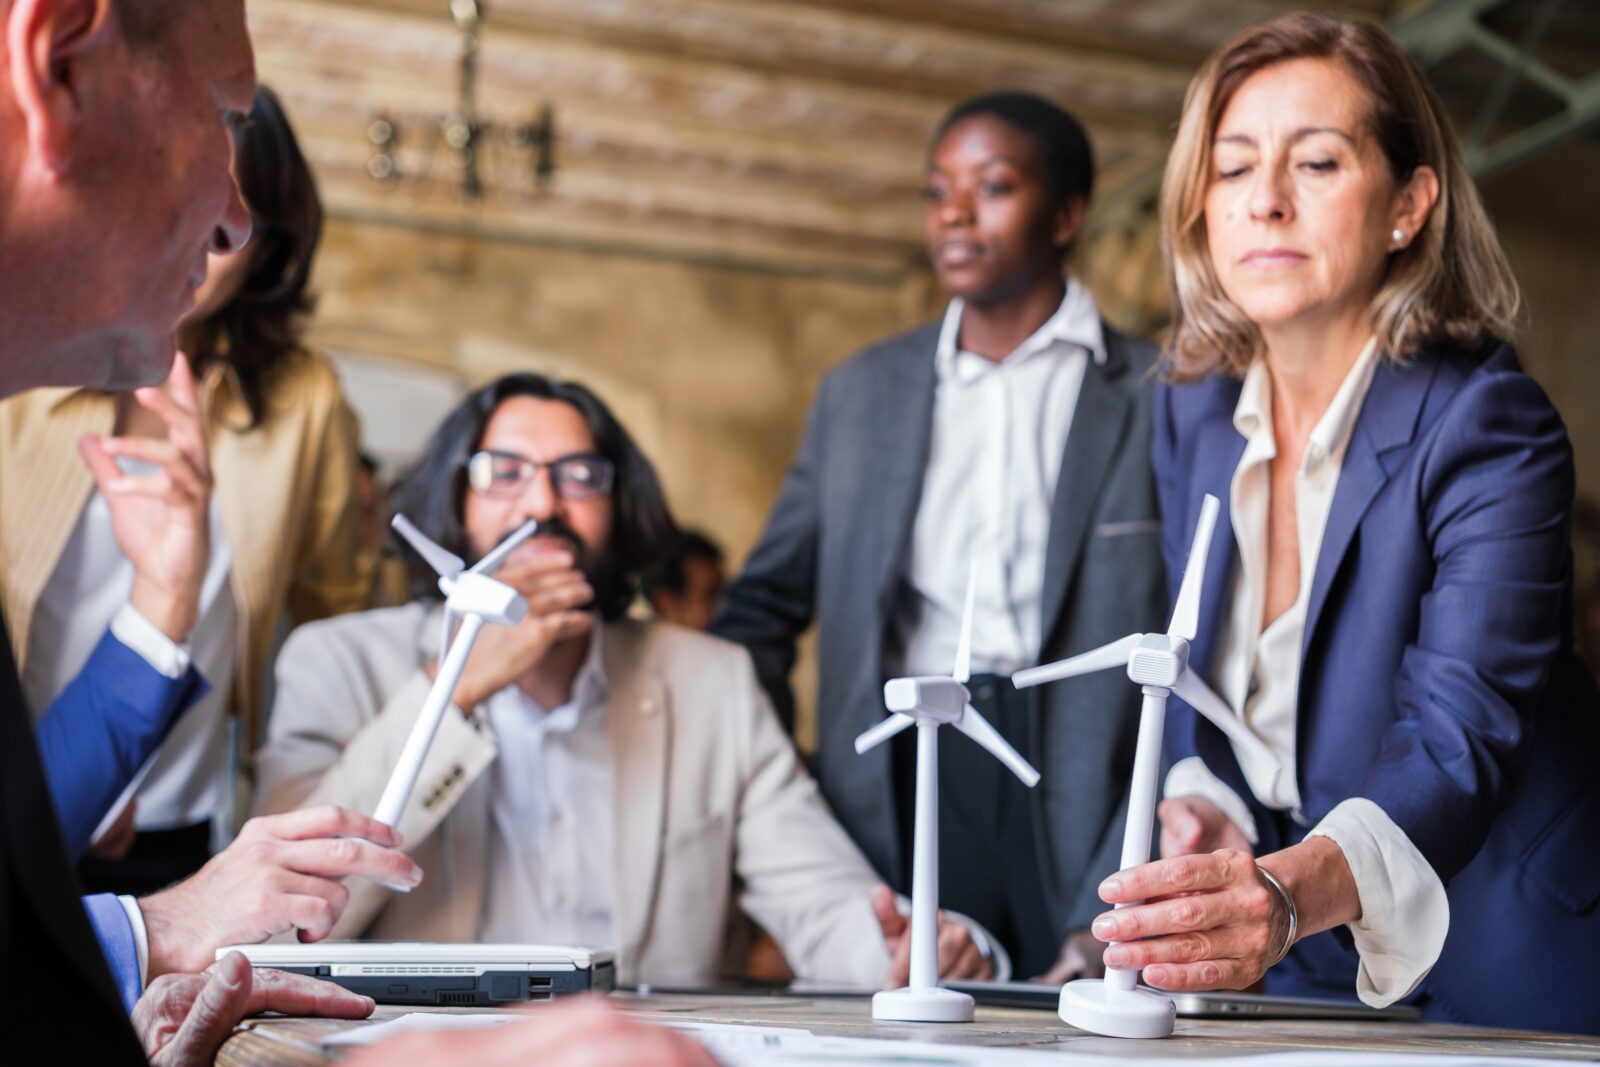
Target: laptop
[(441, 974)]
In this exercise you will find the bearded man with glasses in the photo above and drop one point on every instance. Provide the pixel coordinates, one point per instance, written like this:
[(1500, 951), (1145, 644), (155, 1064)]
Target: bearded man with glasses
[(602, 781)]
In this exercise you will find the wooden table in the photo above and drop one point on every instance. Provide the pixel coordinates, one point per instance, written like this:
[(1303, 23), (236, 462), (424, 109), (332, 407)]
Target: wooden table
[(284, 1042)]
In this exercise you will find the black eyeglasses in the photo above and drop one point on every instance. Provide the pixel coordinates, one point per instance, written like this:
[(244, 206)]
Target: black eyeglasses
[(581, 476)]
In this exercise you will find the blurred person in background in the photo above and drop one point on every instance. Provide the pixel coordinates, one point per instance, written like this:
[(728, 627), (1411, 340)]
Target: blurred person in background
[(381, 564), (1011, 436), (599, 779), (687, 585)]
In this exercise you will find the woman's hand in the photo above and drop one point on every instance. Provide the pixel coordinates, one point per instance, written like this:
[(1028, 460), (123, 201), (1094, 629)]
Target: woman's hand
[(1191, 824), (162, 519), (1212, 922)]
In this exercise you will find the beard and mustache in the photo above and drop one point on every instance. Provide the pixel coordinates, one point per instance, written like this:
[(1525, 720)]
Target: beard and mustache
[(602, 570)]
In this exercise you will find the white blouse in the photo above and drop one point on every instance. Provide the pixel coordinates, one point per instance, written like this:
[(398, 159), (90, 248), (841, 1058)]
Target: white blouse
[(1404, 912)]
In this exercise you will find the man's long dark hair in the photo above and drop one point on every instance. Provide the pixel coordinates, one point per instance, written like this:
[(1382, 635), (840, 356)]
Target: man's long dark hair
[(261, 326), (433, 493)]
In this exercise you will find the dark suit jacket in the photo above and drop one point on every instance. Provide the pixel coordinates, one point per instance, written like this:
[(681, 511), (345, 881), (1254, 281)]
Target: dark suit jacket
[(834, 550), (48, 955), (1437, 677)]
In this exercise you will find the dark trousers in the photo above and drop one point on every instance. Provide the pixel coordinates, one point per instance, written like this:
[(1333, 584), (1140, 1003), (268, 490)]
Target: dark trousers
[(989, 865), (157, 859)]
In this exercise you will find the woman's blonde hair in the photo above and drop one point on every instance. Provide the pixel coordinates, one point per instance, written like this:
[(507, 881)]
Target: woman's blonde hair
[(1451, 282)]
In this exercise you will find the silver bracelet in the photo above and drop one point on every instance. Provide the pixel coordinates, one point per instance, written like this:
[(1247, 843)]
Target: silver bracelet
[(1288, 905)]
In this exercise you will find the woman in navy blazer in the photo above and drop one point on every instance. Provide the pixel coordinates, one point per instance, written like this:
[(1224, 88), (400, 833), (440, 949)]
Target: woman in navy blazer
[(1387, 601)]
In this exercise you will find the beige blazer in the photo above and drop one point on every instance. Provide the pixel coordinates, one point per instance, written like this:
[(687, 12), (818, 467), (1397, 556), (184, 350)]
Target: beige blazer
[(712, 806), (285, 491)]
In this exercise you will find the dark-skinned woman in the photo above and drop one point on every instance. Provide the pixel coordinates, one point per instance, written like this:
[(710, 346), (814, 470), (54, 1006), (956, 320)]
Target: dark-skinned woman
[(1007, 439)]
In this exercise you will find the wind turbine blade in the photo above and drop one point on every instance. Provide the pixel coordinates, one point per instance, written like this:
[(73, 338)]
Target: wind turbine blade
[(963, 669), (977, 727), (1186, 613), (883, 731), (491, 563), (446, 564), (1194, 691), (1113, 655)]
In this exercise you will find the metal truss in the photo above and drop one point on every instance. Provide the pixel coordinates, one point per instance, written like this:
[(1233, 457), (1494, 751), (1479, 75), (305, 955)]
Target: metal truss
[(1447, 26)]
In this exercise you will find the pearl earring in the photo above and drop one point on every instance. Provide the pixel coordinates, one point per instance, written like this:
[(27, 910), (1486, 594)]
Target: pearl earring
[(1398, 236)]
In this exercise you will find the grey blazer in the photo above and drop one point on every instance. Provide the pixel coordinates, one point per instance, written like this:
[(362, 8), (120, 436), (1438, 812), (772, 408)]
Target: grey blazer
[(834, 552)]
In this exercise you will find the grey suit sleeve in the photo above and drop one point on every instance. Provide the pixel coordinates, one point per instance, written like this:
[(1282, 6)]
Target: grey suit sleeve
[(771, 603), (1107, 860)]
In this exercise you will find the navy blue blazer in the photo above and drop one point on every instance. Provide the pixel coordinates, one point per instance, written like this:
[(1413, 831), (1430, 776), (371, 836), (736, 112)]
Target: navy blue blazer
[(1437, 675), (96, 735)]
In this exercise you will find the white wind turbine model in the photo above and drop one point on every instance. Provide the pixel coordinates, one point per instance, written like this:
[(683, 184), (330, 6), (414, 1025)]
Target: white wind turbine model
[(475, 598), (928, 703), (1160, 664)]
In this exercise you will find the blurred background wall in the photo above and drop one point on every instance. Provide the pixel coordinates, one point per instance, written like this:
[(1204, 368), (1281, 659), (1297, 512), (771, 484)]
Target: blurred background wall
[(699, 206)]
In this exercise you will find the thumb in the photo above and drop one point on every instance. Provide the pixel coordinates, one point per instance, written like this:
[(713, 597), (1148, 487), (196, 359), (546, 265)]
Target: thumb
[(889, 917), (223, 1001)]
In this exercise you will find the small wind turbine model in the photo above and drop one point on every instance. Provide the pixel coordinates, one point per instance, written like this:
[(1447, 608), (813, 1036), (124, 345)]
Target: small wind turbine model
[(1159, 663), (928, 703), (475, 598)]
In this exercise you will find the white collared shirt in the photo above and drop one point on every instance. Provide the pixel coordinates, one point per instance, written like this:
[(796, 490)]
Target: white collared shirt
[(999, 432), (88, 591), (1404, 912), (550, 864)]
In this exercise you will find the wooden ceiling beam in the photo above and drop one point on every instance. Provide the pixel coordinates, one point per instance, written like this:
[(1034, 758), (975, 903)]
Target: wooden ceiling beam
[(645, 147), (1176, 34), (609, 227), (818, 50), (602, 132)]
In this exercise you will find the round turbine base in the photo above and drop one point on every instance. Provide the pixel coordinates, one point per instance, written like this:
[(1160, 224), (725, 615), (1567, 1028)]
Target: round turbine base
[(922, 1006), (1089, 1004)]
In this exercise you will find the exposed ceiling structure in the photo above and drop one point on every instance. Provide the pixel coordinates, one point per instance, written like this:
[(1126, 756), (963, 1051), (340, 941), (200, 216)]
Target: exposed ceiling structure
[(1519, 75), (781, 135)]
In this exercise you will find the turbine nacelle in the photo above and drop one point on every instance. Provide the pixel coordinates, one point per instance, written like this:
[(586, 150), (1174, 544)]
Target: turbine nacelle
[(1158, 660), (937, 699), (491, 600)]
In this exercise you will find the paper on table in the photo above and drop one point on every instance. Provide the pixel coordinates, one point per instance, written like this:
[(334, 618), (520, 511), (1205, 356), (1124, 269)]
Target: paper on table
[(721, 1038), (860, 1052), (715, 1036), (772, 1046), (123, 799)]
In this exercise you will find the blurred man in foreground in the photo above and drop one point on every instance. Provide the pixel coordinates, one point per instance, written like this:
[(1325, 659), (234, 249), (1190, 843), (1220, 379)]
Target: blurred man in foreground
[(114, 185)]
